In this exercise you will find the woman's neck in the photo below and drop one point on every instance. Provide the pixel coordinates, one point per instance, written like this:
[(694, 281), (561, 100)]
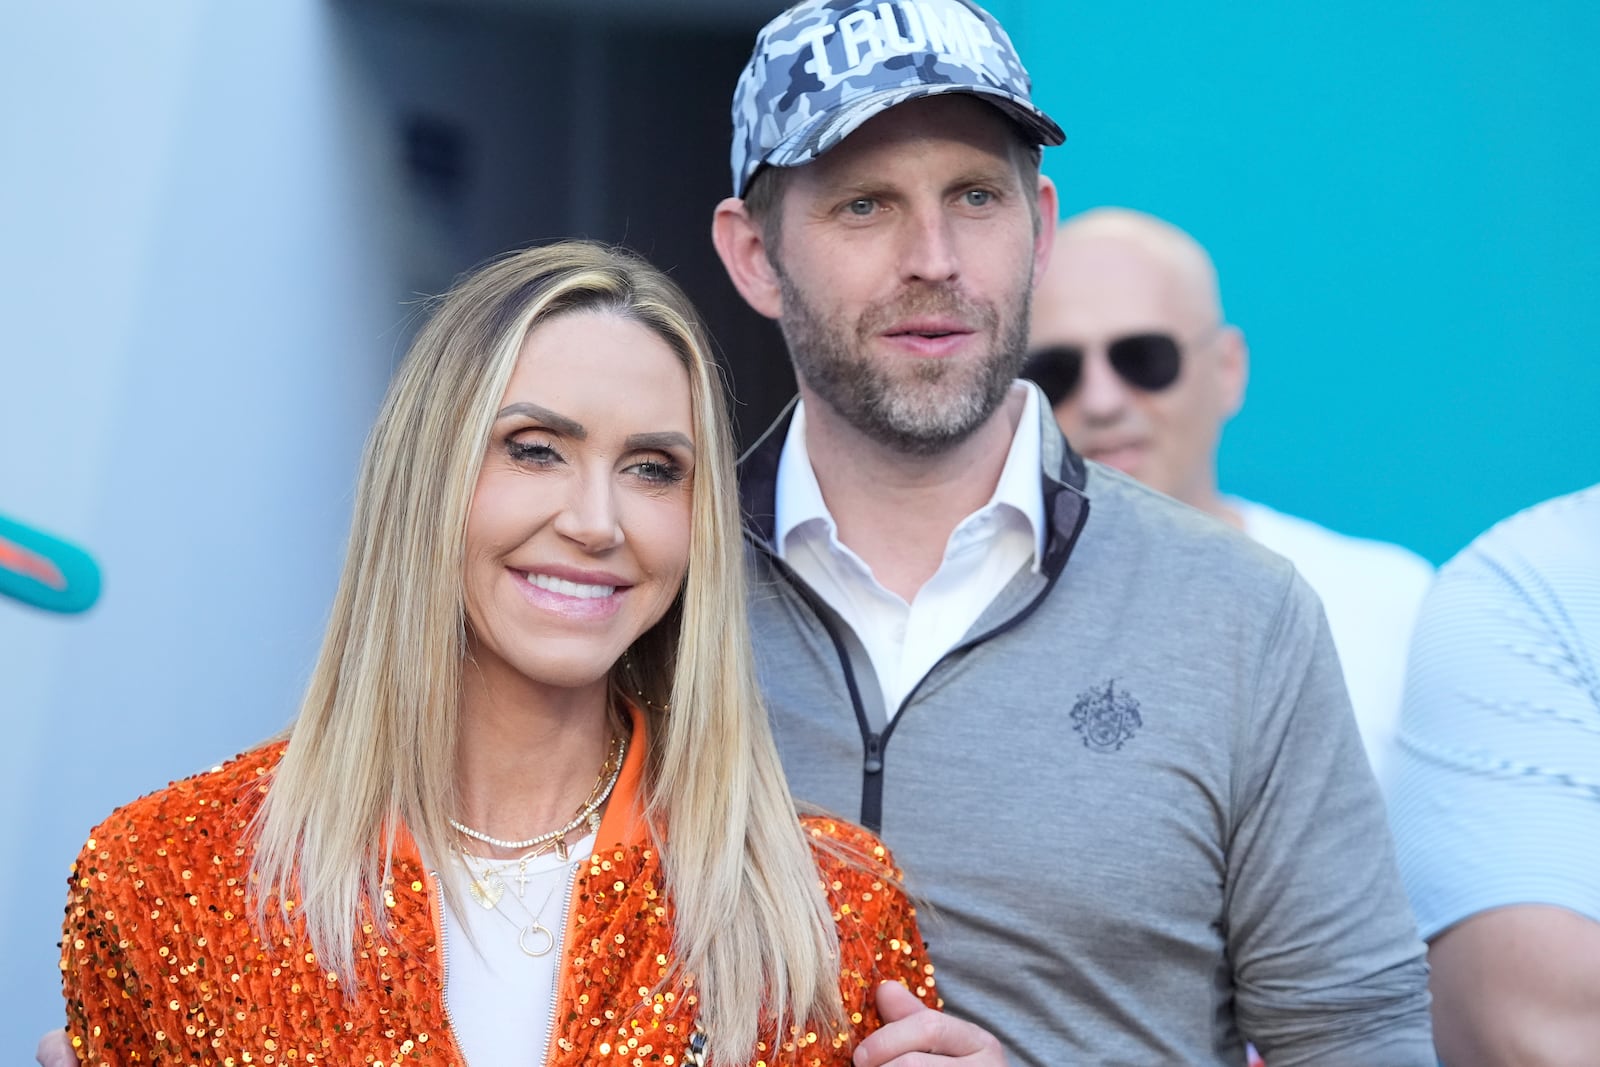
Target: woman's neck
[(526, 762)]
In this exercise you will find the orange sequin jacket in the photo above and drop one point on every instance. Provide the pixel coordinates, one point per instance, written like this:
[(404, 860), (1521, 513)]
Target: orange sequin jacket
[(162, 963)]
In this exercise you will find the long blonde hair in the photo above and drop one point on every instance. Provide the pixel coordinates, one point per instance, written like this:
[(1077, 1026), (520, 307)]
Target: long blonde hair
[(374, 745)]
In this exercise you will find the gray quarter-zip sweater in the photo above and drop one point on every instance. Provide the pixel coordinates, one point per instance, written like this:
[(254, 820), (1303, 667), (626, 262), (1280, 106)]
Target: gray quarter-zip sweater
[(1133, 801)]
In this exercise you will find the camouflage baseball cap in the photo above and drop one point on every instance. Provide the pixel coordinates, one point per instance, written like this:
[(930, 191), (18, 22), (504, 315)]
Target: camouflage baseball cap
[(824, 67)]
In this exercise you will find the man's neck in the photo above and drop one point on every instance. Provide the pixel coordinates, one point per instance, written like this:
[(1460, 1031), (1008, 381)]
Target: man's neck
[(897, 511), (1209, 500)]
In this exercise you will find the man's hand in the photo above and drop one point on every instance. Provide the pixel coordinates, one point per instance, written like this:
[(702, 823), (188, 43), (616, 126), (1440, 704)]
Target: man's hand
[(914, 1035), (55, 1050)]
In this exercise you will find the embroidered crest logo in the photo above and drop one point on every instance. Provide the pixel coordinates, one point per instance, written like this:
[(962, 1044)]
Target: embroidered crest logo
[(1107, 718)]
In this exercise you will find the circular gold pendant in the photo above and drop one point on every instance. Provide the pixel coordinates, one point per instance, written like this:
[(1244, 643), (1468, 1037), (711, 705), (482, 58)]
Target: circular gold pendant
[(537, 931)]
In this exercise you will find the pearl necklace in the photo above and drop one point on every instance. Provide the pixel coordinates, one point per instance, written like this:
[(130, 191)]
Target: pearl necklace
[(610, 771)]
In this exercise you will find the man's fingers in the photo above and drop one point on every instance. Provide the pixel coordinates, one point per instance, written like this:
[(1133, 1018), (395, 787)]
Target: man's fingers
[(55, 1050), (914, 1035), (895, 1002)]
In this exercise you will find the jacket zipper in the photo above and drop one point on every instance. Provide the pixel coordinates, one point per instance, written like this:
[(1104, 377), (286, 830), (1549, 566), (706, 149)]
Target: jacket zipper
[(561, 947), (444, 962), (872, 775)]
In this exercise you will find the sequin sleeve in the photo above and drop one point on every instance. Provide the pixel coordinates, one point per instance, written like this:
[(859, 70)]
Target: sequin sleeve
[(878, 936), (150, 937), (104, 1018)]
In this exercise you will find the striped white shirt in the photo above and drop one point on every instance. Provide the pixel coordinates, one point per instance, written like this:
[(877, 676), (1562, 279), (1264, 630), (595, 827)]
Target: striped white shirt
[(1497, 796)]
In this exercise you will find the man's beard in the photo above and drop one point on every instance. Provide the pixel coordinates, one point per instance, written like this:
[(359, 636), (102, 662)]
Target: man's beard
[(918, 407)]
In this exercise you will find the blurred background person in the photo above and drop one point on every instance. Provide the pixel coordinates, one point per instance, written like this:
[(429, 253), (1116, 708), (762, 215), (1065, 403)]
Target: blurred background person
[(1496, 805), (1131, 348)]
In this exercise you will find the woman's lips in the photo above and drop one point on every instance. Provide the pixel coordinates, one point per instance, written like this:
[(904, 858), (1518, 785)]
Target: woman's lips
[(570, 597)]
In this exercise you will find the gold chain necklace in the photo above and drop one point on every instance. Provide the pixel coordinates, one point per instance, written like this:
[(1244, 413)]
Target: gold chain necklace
[(534, 938), (486, 889), (610, 770)]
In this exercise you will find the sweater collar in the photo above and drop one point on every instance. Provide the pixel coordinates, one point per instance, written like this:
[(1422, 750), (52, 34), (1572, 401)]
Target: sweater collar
[(1062, 477)]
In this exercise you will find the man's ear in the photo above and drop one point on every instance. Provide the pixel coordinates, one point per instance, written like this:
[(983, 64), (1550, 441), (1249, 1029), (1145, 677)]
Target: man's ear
[(1045, 240), (1233, 370), (743, 250)]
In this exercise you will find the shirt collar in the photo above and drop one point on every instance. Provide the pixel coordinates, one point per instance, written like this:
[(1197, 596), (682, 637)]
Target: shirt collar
[(1019, 487), (798, 498)]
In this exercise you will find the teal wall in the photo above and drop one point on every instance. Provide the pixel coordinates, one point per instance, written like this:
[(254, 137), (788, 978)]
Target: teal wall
[(1403, 200)]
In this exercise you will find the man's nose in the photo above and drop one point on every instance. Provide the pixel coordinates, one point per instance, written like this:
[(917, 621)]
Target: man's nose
[(1102, 395), (929, 252)]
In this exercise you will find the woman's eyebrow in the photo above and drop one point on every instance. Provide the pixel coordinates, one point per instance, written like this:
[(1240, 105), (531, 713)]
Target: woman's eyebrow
[(663, 440), (559, 423)]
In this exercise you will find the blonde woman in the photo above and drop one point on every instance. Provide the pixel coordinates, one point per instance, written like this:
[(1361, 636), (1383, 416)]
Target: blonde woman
[(530, 810)]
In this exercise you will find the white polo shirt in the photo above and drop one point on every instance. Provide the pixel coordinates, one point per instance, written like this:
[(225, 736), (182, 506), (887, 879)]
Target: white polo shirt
[(985, 551)]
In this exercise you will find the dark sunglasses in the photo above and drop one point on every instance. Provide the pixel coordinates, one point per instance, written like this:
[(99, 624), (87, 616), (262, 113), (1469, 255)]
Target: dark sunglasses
[(1147, 361)]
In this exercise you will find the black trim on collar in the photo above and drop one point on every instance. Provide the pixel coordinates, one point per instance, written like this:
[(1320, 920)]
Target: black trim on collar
[(1063, 489), (758, 477)]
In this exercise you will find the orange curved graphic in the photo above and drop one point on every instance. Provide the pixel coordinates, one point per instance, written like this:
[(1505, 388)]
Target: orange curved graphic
[(14, 557)]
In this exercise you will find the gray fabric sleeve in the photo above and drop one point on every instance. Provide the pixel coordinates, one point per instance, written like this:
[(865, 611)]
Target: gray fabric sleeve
[(1329, 969)]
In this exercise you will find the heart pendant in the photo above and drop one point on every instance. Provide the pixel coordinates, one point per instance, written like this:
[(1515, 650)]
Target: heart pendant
[(487, 893)]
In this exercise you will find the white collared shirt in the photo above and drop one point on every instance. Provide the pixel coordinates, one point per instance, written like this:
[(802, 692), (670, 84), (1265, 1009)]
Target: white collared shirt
[(985, 551)]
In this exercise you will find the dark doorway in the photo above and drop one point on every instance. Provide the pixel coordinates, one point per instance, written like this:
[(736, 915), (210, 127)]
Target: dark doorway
[(519, 123)]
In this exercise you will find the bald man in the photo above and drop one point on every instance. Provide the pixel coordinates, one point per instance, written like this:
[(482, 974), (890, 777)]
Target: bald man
[(1130, 346)]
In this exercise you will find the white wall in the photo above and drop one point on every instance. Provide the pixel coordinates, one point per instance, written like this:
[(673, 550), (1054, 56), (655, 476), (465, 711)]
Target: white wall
[(210, 250), (197, 292)]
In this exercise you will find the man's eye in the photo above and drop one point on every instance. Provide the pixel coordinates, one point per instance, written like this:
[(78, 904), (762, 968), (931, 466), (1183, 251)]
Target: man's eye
[(979, 197), (861, 207)]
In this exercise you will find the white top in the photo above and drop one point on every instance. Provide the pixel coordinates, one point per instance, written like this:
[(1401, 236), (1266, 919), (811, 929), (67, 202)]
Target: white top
[(1497, 795), (1371, 592), (499, 998), (985, 551)]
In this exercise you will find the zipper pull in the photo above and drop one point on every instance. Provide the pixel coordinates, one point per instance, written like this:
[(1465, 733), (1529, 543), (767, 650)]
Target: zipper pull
[(874, 759)]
